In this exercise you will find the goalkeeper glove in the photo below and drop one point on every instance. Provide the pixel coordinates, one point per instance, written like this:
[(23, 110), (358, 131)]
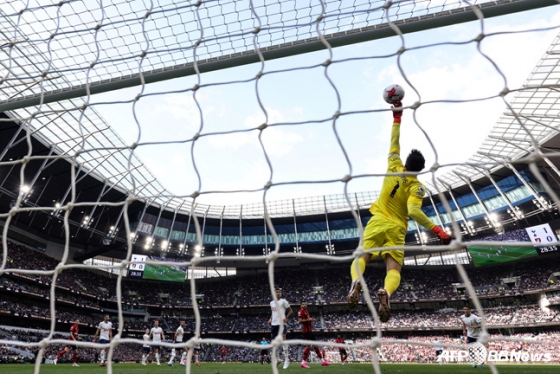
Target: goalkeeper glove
[(397, 114), (442, 235)]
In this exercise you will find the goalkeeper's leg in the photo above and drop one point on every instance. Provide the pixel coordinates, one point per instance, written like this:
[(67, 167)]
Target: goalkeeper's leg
[(358, 267), (392, 282), (375, 235)]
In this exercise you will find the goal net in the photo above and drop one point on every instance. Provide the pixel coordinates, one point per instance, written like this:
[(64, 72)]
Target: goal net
[(190, 111)]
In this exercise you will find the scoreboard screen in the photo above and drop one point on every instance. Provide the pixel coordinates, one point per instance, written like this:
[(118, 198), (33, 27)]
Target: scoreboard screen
[(140, 270), (541, 237), (137, 266)]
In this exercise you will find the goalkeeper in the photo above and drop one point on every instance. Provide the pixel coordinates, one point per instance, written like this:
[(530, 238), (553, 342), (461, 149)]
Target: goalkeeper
[(400, 197)]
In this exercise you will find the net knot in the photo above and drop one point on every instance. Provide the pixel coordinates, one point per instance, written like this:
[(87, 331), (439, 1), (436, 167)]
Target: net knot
[(359, 251), (533, 157), (387, 5), (43, 343), (278, 341), (434, 167)]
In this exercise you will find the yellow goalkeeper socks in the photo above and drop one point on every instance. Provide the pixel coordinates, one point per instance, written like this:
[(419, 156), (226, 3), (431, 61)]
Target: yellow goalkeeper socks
[(362, 264), (392, 281)]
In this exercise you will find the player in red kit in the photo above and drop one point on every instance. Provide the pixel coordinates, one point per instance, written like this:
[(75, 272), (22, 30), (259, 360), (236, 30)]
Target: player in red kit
[(342, 351), (224, 353), (74, 330), (306, 325)]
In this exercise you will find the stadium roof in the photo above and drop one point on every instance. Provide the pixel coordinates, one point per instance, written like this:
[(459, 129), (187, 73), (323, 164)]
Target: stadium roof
[(38, 68)]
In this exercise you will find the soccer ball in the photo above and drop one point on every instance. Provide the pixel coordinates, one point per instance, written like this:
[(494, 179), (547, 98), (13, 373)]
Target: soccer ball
[(393, 93)]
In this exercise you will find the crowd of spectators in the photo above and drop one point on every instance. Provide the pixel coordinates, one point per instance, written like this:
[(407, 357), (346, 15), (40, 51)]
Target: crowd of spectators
[(416, 285), (428, 319), (355, 320), (88, 288), (519, 235), (411, 349), (85, 289), (421, 349)]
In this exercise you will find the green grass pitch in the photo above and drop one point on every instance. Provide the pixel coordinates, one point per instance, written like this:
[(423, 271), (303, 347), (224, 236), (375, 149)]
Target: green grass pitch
[(236, 368), (163, 273), (487, 255)]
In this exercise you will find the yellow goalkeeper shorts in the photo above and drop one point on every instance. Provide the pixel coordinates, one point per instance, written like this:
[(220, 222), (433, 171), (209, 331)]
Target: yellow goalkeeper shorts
[(380, 233)]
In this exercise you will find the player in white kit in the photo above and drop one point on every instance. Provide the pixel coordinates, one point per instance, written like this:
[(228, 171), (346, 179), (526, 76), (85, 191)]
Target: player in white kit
[(439, 351), (178, 338), (471, 329), (157, 336), (105, 332), (146, 347), (283, 313), (197, 349)]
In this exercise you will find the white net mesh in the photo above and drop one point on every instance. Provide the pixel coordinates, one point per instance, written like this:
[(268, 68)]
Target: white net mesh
[(220, 134)]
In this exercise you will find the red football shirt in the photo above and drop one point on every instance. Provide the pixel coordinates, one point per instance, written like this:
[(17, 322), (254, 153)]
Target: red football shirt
[(305, 326), (224, 351), (74, 332)]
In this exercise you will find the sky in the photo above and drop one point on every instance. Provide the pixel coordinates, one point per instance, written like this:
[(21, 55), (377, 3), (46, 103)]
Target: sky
[(306, 159)]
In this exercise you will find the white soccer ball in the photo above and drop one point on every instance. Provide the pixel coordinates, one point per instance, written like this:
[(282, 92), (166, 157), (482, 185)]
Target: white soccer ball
[(393, 93)]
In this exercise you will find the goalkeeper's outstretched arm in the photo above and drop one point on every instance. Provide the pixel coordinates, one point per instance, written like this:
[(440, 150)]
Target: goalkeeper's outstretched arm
[(395, 148)]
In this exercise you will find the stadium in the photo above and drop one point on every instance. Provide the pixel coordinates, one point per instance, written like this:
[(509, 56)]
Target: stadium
[(90, 230)]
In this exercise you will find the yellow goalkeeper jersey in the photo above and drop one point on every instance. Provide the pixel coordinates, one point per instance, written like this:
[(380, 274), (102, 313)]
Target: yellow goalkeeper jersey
[(397, 192)]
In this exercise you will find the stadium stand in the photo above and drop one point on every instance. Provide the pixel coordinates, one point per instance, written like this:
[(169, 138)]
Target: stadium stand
[(237, 307)]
